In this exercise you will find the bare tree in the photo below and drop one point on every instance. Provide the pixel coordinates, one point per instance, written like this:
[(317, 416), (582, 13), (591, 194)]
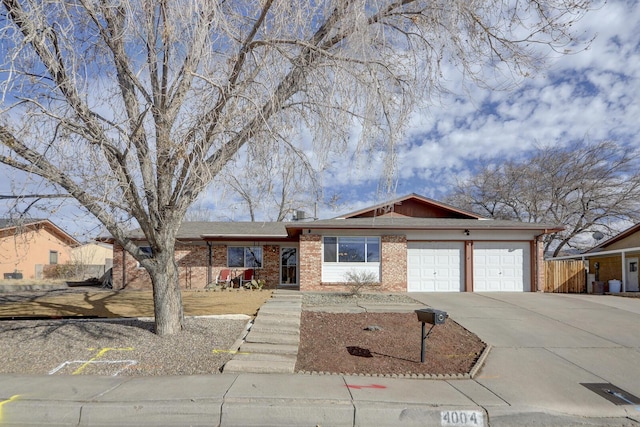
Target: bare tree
[(585, 187), (133, 106), (272, 184)]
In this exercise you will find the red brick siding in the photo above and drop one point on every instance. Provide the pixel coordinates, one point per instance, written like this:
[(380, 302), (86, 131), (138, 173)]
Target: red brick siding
[(136, 278), (394, 263), (310, 260), (192, 265)]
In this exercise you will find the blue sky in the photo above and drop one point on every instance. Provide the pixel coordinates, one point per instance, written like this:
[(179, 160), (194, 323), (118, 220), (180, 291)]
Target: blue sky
[(590, 95)]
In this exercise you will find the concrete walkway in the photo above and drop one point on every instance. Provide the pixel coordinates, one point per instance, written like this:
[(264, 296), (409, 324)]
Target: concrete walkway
[(569, 360), (271, 346)]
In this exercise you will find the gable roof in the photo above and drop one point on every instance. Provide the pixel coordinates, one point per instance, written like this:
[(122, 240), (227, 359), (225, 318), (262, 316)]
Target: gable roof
[(622, 235), (414, 206), (6, 225)]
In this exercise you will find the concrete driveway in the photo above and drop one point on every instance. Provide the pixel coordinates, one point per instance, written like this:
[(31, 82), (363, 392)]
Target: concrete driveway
[(546, 347)]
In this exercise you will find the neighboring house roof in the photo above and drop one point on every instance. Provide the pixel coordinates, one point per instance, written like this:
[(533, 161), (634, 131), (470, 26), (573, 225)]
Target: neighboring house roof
[(6, 225), (622, 235), (412, 205)]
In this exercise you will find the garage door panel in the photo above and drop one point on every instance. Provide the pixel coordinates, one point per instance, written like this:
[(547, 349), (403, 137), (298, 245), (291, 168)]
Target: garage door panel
[(501, 266), (434, 266)]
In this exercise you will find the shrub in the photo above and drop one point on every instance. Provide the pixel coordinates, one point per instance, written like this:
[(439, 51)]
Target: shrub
[(358, 280)]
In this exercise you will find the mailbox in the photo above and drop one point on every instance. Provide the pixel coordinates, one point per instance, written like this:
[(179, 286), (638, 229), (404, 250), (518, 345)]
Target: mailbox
[(430, 315)]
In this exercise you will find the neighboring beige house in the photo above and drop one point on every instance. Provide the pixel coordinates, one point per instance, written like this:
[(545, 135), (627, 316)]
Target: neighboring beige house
[(617, 259), (28, 245), (92, 259)]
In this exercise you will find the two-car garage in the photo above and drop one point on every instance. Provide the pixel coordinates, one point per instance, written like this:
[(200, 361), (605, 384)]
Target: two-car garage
[(495, 266)]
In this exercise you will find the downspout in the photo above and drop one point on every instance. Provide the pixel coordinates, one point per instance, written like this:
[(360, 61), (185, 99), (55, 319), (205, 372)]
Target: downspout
[(209, 264), (124, 268)]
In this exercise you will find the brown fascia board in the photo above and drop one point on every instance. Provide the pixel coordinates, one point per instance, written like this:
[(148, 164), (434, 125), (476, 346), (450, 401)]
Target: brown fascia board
[(407, 197), (45, 223), (414, 224), (623, 234)]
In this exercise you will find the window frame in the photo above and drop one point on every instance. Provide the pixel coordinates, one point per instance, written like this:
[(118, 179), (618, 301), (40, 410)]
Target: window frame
[(334, 251), (53, 254), (148, 251), (247, 252)]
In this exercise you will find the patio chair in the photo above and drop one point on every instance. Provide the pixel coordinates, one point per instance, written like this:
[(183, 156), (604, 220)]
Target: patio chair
[(224, 278), (247, 277)]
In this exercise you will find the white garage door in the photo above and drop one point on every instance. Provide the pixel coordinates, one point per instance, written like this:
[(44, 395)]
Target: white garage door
[(435, 266), (501, 266)]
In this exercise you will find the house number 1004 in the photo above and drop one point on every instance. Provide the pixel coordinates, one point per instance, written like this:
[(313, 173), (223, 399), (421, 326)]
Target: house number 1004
[(461, 418)]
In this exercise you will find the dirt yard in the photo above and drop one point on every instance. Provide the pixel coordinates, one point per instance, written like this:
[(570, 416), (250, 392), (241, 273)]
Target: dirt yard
[(383, 344), (89, 302)]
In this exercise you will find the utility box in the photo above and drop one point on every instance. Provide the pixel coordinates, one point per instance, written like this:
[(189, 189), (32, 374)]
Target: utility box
[(431, 315)]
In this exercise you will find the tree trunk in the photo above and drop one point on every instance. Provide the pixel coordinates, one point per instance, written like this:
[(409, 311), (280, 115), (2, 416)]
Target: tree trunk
[(167, 298)]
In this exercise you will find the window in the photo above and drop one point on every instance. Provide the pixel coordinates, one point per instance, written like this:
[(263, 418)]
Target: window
[(53, 257), (146, 250), (244, 256), (351, 249)]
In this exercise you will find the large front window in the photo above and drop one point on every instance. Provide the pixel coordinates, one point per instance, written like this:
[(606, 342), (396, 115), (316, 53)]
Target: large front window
[(351, 249), (244, 256)]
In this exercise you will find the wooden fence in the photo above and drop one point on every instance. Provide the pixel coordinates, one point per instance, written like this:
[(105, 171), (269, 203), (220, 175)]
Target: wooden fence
[(565, 276)]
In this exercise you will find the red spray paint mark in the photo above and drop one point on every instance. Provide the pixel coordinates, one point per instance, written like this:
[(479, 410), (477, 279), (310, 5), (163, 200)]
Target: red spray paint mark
[(359, 387)]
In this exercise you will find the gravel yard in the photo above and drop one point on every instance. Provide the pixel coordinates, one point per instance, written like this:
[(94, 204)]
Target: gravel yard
[(116, 347)]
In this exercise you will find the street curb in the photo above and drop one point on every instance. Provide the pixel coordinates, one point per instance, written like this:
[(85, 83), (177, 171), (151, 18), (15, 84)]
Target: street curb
[(480, 362)]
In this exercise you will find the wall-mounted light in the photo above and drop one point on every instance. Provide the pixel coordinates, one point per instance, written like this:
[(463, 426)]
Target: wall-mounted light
[(466, 232)]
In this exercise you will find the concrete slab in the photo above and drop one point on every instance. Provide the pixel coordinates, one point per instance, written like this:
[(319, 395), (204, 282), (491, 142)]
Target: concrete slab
[(64, 388), (272, 338), (206, 387), (533, 416), (538, 377), (530, 331), (407, 415), (393, 390), (269, 348), (477, 393), (312, 387), (237, 366), (156, 413), (273, 328), (619, 366), (277, 413), (631, 305), (26, 412), (602, 321), (266, 357)]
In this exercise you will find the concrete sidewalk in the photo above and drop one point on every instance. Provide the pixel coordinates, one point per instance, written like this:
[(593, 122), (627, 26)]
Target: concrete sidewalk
[(545, 347)]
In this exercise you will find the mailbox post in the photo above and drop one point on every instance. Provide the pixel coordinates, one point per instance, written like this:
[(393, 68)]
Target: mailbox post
[(433, 317)]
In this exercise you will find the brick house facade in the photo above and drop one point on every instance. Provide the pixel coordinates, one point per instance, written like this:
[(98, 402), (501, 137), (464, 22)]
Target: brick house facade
[(409, 244)]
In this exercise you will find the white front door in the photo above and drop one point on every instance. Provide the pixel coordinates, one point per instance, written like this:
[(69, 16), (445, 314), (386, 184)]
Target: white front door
[(632, 275), (435, 266), (501, 266)]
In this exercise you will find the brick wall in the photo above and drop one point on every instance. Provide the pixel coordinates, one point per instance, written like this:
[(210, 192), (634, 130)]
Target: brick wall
[(394, 263), (192, 265), (136, 278), (310, 260)]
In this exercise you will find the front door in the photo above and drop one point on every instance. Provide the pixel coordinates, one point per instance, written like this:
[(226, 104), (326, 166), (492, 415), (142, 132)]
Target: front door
[(288, 267), (632, 275)]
